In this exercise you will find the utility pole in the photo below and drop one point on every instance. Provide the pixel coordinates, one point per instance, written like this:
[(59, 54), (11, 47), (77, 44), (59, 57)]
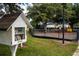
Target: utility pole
[(63, 4)]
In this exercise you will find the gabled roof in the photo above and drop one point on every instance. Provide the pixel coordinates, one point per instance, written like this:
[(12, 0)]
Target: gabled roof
[(7, 20), (26, 20)]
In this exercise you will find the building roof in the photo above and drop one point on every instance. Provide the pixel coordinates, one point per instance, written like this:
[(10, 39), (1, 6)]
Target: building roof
[(26, 20), (7, 20), (1, 14)]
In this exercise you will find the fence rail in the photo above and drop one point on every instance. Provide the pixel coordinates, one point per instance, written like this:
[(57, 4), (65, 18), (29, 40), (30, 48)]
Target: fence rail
[(56, 33)]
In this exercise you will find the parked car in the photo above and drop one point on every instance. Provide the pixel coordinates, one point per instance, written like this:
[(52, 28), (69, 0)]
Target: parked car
[(61, 26), (50, 25)]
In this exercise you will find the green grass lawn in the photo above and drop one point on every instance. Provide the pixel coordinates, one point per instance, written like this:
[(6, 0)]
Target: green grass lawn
[(42, 47)]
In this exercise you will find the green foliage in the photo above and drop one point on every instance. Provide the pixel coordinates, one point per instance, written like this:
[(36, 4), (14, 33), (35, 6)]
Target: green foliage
[(45, 12), (11, 7), (76, 9)]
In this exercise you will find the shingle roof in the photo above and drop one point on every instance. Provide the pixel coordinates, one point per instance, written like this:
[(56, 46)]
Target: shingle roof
[(7, 20), (1, 14)]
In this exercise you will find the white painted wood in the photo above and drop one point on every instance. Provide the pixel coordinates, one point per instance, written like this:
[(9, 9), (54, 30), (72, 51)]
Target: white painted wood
[(26, 20), (13, 50), (6, 37), (21, 44), (18, 23)]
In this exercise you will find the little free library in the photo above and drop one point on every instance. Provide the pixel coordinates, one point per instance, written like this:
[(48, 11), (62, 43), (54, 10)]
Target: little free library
[(13, 30)]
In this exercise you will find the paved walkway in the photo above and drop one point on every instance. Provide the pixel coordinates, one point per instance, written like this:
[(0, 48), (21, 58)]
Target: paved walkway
[(77, 51)]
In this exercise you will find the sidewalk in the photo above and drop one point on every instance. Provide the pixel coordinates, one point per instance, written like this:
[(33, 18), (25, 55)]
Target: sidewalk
[(77, 51)]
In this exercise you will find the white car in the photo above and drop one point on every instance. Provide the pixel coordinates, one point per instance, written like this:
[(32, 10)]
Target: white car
[(51, 26), (61, 26)]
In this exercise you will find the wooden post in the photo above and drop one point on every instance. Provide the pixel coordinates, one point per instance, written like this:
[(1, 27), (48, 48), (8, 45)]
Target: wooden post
[(21, 45), (13, 50)]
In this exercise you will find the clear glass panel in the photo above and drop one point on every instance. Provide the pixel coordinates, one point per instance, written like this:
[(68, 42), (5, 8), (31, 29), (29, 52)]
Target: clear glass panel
[(19, 33)]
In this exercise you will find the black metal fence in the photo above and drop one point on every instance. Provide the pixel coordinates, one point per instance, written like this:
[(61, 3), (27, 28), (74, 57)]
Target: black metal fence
[(46, 30), (56, 33)]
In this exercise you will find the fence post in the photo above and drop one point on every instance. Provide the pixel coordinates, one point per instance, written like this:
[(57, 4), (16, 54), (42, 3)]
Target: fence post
[(77, 34)]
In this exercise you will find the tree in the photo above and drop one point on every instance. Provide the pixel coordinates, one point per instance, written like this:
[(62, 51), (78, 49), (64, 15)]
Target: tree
[(76, 9), (1, 7), (75, 14), (45, 12), (11, 7), (41, 12)]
